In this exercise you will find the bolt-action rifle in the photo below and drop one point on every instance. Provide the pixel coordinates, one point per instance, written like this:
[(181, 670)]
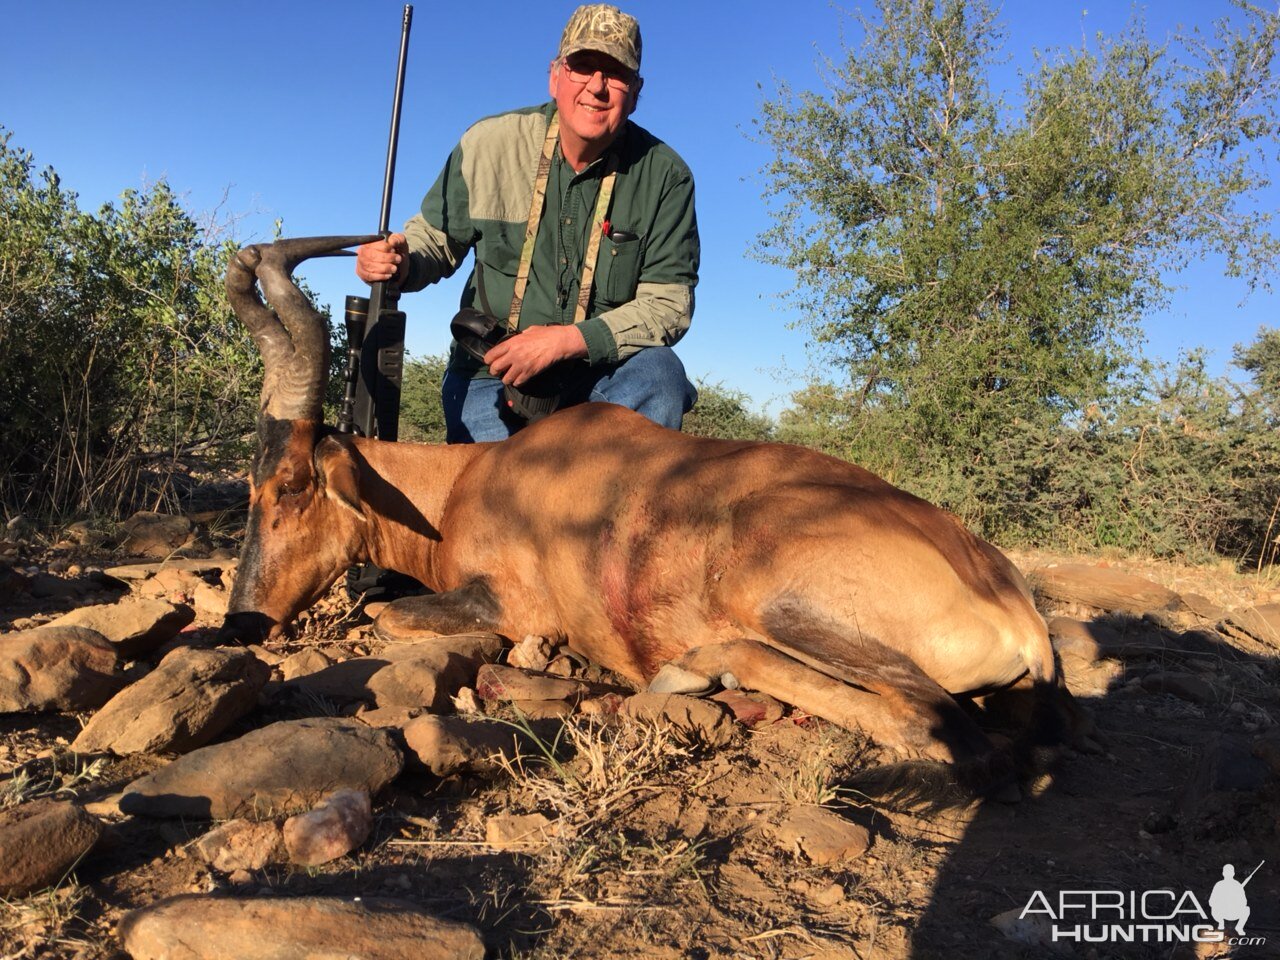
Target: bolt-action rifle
[(375, 327)]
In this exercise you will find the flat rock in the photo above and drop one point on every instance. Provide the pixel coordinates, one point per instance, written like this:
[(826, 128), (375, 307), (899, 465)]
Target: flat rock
[(829, 896), (56, 668), (497, 682), (1203, 607), (184, 703), (605, 705), (269, 657), (428, 681), (155, 534), (333, 828), (40, 841), (455, 744), (136, 626), (1102, 587), (108, 806), (1261, 622), (304, 663), (241, 845), (531, 653), (389, 716), (47, 586), (144, 571), (709, 721), (281, 769), (750, 707), (422, 674), (482, 647), (543, 709), (288, 928), (822, 836), (172, 584), (747, 884), (210, 600), (1185, 686), (526, 834)]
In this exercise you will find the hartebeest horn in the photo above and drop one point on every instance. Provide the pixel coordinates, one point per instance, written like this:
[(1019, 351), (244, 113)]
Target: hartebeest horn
[(291, 335)]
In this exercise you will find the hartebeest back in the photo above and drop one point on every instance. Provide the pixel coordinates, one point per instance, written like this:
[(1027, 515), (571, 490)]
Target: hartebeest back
[(673, 560)]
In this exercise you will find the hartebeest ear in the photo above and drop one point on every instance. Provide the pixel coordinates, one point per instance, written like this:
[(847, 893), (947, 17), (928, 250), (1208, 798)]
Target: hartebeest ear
[(339, 474)]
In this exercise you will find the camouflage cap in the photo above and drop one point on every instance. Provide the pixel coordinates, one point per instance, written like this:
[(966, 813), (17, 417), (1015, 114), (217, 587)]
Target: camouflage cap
[(605, 29)]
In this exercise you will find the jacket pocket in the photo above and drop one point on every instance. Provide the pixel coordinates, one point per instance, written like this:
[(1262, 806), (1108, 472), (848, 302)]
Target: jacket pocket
[(618, 271)]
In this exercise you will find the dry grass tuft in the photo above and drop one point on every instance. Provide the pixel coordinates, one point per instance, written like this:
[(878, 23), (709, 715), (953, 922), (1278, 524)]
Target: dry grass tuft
[(68, 772), (41, 920), (812, 780), (609, 762)]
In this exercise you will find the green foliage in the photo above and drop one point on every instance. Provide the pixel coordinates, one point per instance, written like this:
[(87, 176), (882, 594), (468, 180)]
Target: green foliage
[(1261, 360), (722, 412), (719, 412), (118, 353), (1179, 464), (421, 413), (976, 273)]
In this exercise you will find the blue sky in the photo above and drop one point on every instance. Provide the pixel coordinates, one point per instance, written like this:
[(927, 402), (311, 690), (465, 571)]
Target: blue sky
[(279, 110)]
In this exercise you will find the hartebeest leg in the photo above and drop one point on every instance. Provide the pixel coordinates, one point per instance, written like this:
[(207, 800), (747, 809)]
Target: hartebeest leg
[(1048, 712), (473, 607), (912, 714)]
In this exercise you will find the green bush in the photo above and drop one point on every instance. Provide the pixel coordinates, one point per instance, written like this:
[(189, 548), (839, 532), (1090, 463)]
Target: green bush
[(421, 413), (1179, 464), (119, 356), (724, 413)]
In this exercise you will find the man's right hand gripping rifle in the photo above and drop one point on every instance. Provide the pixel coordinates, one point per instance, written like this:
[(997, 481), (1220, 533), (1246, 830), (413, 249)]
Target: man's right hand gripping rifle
[(384, 260)]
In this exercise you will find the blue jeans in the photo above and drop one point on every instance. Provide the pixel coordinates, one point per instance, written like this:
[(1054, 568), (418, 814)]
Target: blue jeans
[(651, 382)]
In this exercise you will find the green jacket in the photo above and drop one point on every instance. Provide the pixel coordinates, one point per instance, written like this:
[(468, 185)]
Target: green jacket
[(643, 287)]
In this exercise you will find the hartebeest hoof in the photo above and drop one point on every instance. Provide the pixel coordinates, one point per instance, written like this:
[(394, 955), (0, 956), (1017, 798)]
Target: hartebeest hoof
[(673, 679), (465, 610)]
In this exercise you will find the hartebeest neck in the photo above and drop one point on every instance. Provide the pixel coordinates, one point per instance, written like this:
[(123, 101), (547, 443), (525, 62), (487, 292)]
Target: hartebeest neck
[(404, 488)]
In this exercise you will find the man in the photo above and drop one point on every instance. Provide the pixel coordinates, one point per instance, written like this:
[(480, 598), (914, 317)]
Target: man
[(1228, 901), (607, 286)]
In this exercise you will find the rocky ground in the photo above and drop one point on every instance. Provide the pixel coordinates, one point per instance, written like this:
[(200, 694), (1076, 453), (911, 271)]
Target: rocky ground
[(463, 796)]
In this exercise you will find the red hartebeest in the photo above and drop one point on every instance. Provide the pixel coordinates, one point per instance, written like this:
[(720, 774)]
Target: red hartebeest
[(676, 561)]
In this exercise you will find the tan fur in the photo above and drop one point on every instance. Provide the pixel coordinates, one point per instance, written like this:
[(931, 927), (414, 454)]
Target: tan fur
[(637, 544)]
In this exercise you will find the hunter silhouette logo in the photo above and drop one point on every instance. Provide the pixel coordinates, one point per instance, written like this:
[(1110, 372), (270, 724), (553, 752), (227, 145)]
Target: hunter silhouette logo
[(1229, 901), (1147, 916)]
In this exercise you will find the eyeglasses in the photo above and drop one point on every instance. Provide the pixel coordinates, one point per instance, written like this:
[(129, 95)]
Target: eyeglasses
[(581, 71)]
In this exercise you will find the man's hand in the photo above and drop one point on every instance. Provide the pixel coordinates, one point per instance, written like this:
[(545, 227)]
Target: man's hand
[(530, 352), (383, 260)]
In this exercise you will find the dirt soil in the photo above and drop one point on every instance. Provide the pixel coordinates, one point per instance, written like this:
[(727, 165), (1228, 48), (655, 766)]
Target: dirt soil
[(665, 847)]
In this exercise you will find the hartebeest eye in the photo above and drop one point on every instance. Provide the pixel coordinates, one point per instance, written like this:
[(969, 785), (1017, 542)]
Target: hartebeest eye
[(287, 490)]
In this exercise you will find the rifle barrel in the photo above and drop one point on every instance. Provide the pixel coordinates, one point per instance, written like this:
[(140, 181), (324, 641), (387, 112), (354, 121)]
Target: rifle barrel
[(388, 179)]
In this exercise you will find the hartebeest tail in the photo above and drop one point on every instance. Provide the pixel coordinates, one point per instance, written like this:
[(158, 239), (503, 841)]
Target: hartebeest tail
[(678, 561)]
